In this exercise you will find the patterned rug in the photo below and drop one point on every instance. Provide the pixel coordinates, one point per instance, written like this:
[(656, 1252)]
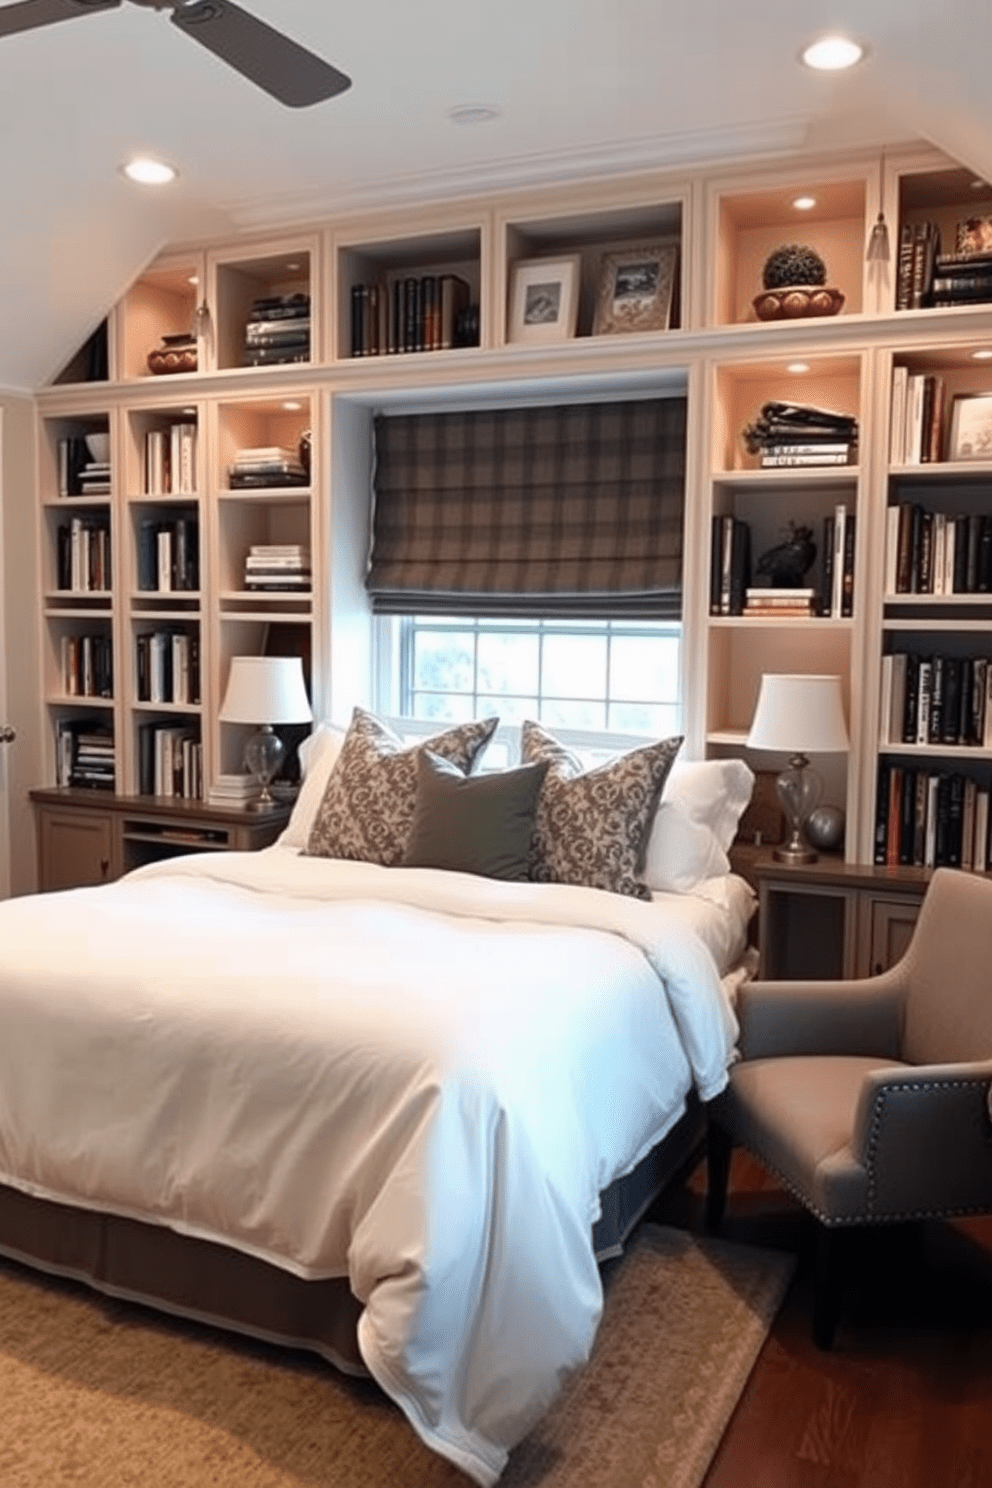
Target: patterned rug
[(100, 1394)]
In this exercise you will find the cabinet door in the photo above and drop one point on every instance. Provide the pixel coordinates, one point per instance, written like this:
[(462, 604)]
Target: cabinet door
[(75, 848), (887, 928)]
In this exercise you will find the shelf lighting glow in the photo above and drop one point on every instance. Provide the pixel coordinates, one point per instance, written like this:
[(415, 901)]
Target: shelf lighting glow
[(798, 367), (149, 172), (832, 53), (804, 203), (982, 356)]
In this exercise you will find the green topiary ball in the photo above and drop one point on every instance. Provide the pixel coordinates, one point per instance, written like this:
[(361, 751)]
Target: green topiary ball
[(793, 264)]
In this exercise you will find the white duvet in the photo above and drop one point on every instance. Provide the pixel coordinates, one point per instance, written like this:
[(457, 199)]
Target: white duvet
[(418, 1080)]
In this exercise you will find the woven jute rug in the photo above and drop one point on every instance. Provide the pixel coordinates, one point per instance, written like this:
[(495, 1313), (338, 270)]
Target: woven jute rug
[(101, 1394)]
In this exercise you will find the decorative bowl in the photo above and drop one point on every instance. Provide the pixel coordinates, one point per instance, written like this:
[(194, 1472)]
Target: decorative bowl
[(796, 301), (176, 354), (98, 446)]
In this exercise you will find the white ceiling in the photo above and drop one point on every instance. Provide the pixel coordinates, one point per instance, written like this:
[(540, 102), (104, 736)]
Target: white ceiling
[(585, 87)]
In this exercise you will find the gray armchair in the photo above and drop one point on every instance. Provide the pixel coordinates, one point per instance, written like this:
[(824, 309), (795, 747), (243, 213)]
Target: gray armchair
[(870, 1100)]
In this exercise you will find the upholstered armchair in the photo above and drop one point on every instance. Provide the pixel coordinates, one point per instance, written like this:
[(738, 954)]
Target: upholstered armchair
[(870, 1100)]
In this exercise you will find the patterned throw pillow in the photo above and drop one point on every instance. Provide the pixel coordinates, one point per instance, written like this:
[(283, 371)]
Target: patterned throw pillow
[(371, 792), (592, 826)]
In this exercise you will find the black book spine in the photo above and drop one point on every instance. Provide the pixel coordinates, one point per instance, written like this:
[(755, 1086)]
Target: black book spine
[(934, 722), (716, 559), (951, 720), (960, 554), (356, 320), (925, 575), (984, 576), (907, 817), (740, 566), (973, 543), (827, 584), (911, 701), (882, 812), (847, 585), (411, 313)]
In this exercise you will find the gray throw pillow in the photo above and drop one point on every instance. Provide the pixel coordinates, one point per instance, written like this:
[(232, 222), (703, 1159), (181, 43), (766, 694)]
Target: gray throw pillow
[(592, 826), (371, 792), (473, 824)]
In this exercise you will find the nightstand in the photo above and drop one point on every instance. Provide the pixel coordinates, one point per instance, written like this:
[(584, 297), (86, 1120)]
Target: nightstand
[(833, 919)]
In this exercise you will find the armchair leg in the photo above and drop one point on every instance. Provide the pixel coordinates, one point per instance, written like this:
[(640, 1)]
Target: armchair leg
[(719, 1146), (827, 1287)]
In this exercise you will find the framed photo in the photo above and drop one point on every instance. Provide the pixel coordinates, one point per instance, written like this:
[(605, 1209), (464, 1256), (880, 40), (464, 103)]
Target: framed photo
[(636, 289), (974, 236), (544, 299), (971, 427)]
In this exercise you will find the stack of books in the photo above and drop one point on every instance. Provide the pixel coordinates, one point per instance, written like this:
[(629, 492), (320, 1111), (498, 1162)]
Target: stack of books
[(233, 790), (170, 761), (730, 564), (83, 555), (267, 465), (278, 566), (962, 279), (278, 330), (73, 459), (787, 434), (170, 460), (780, 603), (168, 555), (86, 666), (837, 588), (168, 667), (916, 421), (85, 754), (94, 478)]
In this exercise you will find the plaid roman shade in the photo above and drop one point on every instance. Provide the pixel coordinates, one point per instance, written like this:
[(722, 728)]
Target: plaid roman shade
[(574, 509)]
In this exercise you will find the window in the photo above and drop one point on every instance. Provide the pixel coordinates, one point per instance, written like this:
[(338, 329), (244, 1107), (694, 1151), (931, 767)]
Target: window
[(588, 680)]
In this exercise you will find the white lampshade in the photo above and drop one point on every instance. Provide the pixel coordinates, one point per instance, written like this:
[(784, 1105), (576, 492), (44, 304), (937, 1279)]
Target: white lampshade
[(799, 715), (265, 689)]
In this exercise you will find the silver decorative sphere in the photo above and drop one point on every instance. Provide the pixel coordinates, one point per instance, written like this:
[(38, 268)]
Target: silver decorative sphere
[(824, 828)]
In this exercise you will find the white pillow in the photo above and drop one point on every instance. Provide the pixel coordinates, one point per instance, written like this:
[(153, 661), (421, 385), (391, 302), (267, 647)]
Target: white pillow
[(695, 823), (714, 792), (681, 852), (318, 755)]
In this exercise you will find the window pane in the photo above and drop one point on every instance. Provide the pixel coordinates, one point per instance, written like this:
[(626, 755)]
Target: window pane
[(642, 718), (574, 667), (510, 709), (508, 662), (560, 713), (444, 660), (446, 707), (644, 669)]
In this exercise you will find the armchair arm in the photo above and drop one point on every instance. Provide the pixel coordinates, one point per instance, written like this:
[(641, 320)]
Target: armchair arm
[(923, 1133), (858, 1017)]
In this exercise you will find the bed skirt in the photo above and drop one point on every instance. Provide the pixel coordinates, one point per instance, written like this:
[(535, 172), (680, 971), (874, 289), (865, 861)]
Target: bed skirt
[(213, 1284)]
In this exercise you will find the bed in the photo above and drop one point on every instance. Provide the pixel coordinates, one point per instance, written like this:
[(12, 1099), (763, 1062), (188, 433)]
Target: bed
[(379, 1110)]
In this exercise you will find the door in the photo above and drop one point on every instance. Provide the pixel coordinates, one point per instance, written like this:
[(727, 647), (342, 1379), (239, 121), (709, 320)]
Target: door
[(6, 732)]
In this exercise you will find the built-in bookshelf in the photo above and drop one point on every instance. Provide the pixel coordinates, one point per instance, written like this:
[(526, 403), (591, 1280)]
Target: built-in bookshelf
[(245, 462)]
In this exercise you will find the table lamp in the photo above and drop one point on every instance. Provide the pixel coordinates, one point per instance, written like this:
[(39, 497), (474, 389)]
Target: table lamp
[(265, 690), (798, 715)]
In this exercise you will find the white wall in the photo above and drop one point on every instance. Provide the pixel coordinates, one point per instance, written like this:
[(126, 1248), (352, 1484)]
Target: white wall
[(21, 603)]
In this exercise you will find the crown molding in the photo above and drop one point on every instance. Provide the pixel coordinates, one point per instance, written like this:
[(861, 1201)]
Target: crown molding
[(760, 141)]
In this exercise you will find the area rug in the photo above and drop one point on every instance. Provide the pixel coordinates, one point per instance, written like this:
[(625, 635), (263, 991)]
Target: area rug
[(101, 1394)]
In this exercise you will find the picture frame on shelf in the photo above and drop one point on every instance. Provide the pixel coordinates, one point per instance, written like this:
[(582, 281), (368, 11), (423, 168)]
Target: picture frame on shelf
[(544, 299), (971, 427), (636, 289)]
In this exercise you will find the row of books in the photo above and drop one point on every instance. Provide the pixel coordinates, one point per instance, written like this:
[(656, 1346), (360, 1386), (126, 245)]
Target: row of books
[(170, 761), (168, 666), (940, 553), (935, 699), (278, 566), (264, 466), (78, 473), (83, 555), (84, 754), (930, 819), (168, 555), (925, 276), (170, 460), (800, 434), (916, 423), (277, 330), (731, 591), (407, 313), (87, 666)]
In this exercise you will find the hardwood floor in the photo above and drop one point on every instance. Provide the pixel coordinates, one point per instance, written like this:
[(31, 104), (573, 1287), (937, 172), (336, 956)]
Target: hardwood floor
[(904, 1399)]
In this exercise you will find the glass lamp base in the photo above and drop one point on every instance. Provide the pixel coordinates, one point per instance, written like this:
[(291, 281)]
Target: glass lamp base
[(263, 755), (798, 789)]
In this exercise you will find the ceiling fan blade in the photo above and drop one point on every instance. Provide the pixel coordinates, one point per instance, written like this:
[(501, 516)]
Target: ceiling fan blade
[(28, 14), (286, 70)]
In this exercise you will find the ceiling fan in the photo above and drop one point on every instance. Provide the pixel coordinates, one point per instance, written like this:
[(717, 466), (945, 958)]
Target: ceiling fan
[(281, 67)]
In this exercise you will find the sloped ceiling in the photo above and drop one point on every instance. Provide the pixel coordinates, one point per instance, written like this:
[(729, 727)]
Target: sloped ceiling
[(583, 87)]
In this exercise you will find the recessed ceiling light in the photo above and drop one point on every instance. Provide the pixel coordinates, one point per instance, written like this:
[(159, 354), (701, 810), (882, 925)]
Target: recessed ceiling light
[(977, 185), (982, 356), (797, 367), (149, 172), (832, 53), (193, 279), (292, 407), (291, 268), (804, 203), (473, 113)]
